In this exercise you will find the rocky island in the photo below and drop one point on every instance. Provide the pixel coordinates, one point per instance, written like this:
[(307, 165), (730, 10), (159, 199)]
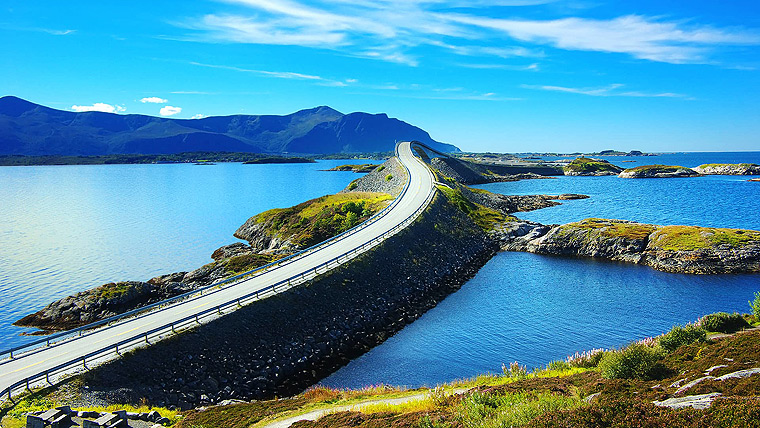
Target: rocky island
[(678, 249), (590, 166), (361, 168), (658, 171), (728, 169)]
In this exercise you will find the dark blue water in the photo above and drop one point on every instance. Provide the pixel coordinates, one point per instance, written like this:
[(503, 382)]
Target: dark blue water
[(69, 228), (534, 309)]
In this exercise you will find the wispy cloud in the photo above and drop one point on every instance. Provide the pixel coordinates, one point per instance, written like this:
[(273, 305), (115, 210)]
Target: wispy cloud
[(169, 110), (613, 90), (154, 100), (277, 74), (101, 107), (391, 30), (639, 36)]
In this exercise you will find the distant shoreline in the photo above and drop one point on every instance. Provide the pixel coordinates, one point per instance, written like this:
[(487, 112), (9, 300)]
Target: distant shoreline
[(201, 158)]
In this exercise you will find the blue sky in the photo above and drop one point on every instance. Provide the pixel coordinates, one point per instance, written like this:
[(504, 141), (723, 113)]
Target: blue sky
[(501, 75)]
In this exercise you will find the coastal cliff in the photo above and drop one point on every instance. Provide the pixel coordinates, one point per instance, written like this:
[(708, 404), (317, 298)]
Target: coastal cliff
[(677, 249)]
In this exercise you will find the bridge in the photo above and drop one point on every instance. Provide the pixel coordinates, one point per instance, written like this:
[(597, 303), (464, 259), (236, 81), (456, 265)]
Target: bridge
[(45, 361)]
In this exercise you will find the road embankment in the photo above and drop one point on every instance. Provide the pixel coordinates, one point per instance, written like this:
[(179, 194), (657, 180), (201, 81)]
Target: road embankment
[(285, 343)]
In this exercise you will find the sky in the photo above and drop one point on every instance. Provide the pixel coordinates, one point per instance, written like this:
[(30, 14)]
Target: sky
[(501, 75)]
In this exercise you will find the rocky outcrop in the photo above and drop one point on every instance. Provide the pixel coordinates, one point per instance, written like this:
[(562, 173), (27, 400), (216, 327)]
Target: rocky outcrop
[(658, 171), (257, 231), (390, 178), (466, 172), (590, 166), (285, 343), (362, 168), (515, 203), (101, 302), (678, 249), (728, 169)]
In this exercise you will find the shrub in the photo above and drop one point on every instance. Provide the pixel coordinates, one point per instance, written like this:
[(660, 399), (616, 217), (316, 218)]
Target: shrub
[(514, 370), (723, 322), (586, 359), (558, 365), (389, 177), (352, 186), (635, 361), (679, 336), (755, 305)]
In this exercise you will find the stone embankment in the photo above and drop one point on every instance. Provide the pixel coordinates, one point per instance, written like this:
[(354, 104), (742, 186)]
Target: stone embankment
[(658, 171), (280, 345), (678, 249), (728, 169)]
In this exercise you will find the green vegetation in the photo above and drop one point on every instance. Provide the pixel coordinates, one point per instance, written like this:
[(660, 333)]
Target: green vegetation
[(363, 168), (380, 168), (388, 177), (353, 185), (656, 169), (583, 164), (681, 238), (636, 361), (720, 165), (486, 410), (679, 336), (755, 306), (724, 322), (612, 228), (246, 262), (486, 218), (188, 157), (319, 219), (113, 290)]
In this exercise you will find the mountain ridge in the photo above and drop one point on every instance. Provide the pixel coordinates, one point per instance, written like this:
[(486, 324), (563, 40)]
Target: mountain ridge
[(27, 128)]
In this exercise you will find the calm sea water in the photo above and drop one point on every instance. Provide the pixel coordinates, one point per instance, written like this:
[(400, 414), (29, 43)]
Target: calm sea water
[(534, 309), (69, 228)]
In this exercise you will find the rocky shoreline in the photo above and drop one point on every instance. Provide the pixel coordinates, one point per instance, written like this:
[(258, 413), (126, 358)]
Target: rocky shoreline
[(676, 249)]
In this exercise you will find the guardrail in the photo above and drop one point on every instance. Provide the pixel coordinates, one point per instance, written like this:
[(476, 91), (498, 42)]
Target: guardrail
[(173, 327)]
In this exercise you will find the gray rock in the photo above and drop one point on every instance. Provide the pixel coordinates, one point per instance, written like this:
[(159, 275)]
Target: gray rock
[(692, 383), (739, 374), (700, 402)]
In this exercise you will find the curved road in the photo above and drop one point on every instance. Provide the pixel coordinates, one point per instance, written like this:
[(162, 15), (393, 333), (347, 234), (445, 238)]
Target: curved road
[(25, 366)]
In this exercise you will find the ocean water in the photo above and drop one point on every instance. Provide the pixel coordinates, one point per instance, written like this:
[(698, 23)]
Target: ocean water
[(66, 229), (534, 309)]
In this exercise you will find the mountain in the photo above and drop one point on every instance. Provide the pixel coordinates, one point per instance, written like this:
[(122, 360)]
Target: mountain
[(31, 129)]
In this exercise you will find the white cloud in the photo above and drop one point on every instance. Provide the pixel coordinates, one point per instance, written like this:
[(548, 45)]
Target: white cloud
[(639, 36), (154, 100), (612, 90), (390, 30), (102, 107), (169, 111), (198, 116)]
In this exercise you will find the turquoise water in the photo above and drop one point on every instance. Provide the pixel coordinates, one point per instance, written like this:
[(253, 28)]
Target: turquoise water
[(534, 309), (69, 228)]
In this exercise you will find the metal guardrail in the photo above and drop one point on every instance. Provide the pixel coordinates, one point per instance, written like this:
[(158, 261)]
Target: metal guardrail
[(219, 309)]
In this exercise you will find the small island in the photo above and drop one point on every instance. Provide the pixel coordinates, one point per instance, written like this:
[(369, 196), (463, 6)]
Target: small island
[(658, 171), (728, 169), (590, 166), (362, 168)]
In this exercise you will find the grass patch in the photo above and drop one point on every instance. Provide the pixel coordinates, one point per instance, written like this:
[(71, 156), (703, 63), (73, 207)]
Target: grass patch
[(322, 218), (486, 218), (247, 262), (238, 415), (389, 177), (485, 410), (657, 168), (583, 164), (681, 238), (612, 228)]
